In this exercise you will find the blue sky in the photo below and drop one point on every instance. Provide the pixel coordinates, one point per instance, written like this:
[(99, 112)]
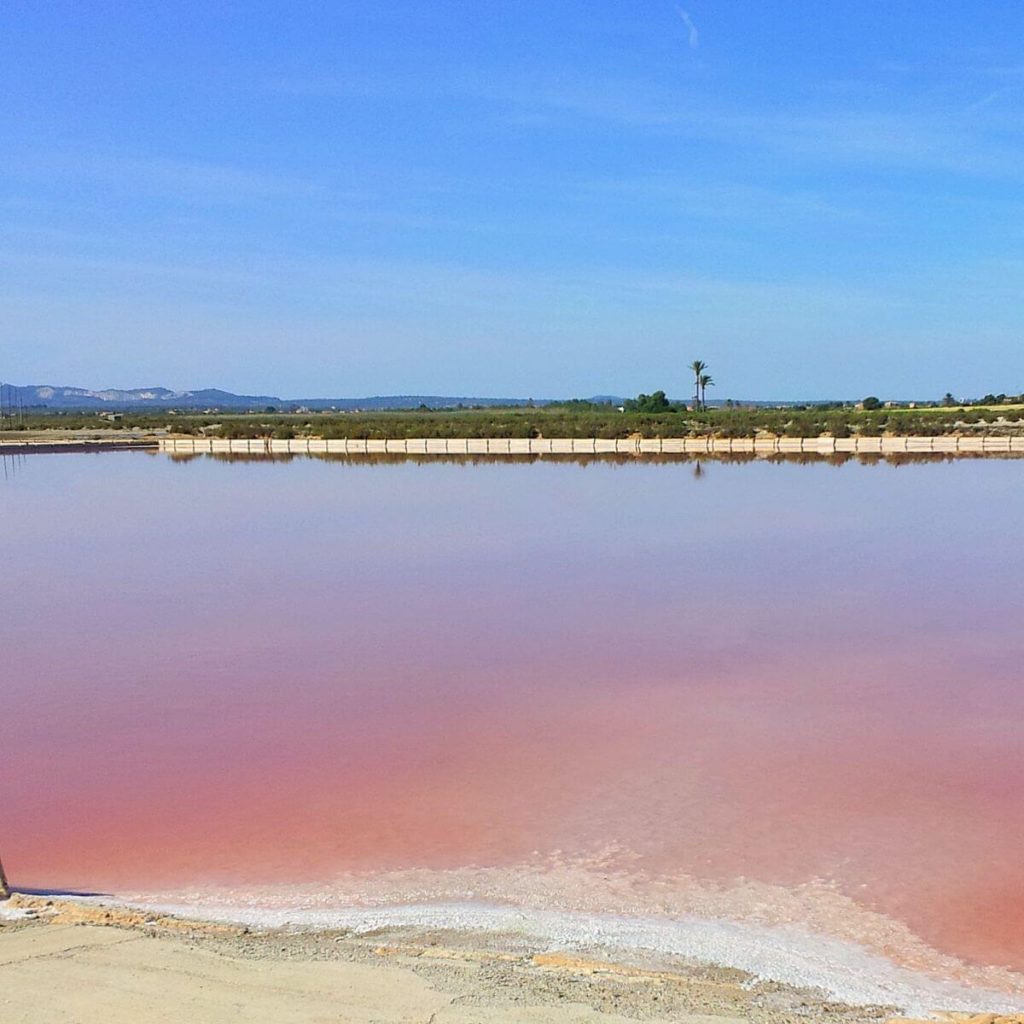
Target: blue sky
[(516, 198)]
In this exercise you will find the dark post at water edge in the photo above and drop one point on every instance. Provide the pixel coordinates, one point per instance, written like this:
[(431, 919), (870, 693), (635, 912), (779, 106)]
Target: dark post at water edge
[(5, 889)]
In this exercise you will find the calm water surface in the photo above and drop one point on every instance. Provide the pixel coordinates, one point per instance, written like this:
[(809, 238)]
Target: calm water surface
[(277, 673)]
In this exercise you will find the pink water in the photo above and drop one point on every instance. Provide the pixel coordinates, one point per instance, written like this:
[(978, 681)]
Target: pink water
[(243, 675)]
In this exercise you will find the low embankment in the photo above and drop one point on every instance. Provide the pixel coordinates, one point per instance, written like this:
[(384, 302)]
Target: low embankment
[(105, 444), (943, 444)]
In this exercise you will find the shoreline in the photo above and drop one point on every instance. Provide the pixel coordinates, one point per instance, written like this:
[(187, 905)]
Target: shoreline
[(132, 966), (750, 964), (71, 444), (944, 445), (767, 446)]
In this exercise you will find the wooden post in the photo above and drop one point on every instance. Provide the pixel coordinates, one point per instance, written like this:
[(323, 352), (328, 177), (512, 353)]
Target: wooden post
[(5, 889)]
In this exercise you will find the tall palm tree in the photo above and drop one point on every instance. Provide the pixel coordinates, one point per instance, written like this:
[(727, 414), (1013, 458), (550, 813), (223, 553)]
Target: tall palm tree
[(698, 366), (705, 380)]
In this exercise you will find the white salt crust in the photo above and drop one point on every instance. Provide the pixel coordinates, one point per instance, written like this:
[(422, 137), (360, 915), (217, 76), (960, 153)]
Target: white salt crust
[(789, 954)]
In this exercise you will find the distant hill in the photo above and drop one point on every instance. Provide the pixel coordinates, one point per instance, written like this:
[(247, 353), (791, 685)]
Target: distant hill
[(48, 396), (405, 402)]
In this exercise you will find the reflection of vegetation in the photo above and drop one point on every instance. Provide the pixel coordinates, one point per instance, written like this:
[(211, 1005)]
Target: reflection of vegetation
[(697, 461)]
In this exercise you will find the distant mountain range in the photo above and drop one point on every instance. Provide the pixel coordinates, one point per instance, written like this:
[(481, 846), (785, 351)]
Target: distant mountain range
[(70, 399), (50, 397), (47, 396)]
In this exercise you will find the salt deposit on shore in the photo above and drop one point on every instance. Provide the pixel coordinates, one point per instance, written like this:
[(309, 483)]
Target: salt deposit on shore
[(789, 955)]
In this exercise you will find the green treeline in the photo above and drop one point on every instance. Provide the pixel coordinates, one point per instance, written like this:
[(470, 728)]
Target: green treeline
[(646, 416)]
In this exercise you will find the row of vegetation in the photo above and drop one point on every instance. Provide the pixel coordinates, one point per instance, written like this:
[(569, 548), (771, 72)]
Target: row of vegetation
[(652, 415), (647, 416)]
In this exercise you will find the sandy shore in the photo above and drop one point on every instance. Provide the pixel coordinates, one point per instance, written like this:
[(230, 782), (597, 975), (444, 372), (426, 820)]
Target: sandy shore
[(87, 964)]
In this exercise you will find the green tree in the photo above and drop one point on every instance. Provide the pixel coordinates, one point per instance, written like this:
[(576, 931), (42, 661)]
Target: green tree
[(871, 403), (649, 403), (698, 366), (705, 381)]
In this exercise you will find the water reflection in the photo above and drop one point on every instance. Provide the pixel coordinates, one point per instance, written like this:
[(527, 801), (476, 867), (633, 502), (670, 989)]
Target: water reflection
[(697, 460), (12, 464), (251, 674)]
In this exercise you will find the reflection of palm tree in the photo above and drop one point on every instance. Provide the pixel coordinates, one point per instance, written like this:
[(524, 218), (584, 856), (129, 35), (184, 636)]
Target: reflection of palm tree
[(705, 380), (5, 889), (698, 366)]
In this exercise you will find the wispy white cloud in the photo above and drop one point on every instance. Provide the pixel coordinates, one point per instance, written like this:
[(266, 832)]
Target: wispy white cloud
[(988, 99), (406, 287), (694, 35), (429, 320), (724, 200), (205, 180), (113, 272), (169, 178), (923, 136), (856, 122), (1004, 71)]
